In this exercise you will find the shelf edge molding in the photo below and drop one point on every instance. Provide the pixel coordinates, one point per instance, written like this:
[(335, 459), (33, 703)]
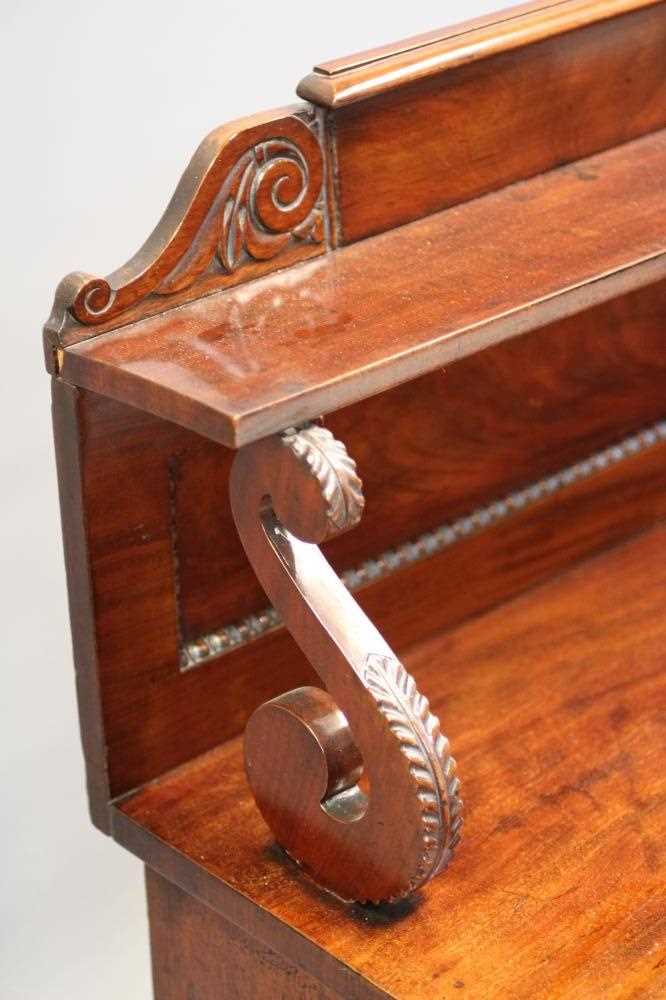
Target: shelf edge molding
[(298, 343), (341, 82)]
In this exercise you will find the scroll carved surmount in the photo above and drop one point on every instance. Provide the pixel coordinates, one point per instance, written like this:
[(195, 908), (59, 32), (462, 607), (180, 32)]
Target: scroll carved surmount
[(248, 194), (356, 782)]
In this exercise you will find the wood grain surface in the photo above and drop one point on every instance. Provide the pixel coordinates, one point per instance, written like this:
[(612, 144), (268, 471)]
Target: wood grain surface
[(250, 200), (337, 83), (247, 362), (305, 750), (70, 460), (556, 703), (196, 953), (475, 128), (159, 560), (471, 186)]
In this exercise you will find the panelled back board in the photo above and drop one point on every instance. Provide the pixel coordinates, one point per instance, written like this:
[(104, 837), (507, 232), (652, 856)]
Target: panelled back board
[(164, 564)]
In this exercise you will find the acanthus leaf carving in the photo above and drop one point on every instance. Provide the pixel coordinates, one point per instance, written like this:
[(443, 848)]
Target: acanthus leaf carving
[(307, 751), (328, 461), (431, 765)]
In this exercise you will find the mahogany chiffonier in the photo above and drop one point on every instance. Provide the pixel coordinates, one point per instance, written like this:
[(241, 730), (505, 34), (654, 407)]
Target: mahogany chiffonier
[(430, 298)]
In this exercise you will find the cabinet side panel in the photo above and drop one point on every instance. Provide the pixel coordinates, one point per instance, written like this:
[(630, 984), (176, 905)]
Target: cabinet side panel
[(66, 401), (197, 953)]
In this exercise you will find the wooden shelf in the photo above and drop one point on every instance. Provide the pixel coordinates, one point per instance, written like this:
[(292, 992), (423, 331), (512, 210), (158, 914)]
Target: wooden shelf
[(555, 704), (250, 360)]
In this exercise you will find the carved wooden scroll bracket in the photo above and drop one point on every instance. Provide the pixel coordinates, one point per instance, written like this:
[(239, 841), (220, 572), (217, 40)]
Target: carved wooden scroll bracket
[(306, 750), (251, 199)]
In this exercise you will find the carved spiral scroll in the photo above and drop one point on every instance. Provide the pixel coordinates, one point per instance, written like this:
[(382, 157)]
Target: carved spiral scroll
[(247, 194), (306, 750)]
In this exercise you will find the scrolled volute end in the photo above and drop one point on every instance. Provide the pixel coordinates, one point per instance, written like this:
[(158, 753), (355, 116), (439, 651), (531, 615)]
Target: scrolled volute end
[(318, 493)]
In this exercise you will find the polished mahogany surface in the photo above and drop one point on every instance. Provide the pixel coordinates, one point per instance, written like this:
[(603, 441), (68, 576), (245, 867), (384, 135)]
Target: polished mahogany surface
[(156, 560), (251, 360), (337, 83), (190, 943), (441, 198), (442, 124), (556, 704)]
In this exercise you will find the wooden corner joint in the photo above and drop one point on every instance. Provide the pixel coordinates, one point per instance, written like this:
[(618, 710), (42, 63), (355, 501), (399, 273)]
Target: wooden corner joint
[(252, 193), (372, 838)]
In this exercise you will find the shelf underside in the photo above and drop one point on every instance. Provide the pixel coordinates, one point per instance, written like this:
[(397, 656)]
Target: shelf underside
[(555, 704), (250, 360)]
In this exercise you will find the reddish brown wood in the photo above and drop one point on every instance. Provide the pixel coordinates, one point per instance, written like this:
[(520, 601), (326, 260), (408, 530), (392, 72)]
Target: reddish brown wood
[(557, 703), (249, 201), (163, 562), (340, 82), (317, 337), (70, 458), (197, 953), (557, 699), (490, 120), (305, 751), (157, 718), (254, 196), (448, 443)]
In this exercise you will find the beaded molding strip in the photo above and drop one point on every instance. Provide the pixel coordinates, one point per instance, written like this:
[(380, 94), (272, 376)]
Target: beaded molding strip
[(237, 634)]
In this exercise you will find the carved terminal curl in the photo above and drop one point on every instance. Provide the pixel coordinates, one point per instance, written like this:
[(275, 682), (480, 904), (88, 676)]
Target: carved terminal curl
[(374, 839), (249, 192)]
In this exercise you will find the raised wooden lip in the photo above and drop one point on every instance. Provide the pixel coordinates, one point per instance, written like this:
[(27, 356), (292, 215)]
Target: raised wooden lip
[(340, 82), (327, 346), (344, 64)]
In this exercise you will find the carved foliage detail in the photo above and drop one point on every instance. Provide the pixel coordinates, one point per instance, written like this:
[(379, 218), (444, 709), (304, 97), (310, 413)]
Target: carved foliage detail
[(431, 766), (246, 196), (327, 459)]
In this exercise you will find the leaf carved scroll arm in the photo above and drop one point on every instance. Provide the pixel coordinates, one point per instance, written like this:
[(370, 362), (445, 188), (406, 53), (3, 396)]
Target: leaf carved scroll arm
[(305, 750), (251, 189)]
